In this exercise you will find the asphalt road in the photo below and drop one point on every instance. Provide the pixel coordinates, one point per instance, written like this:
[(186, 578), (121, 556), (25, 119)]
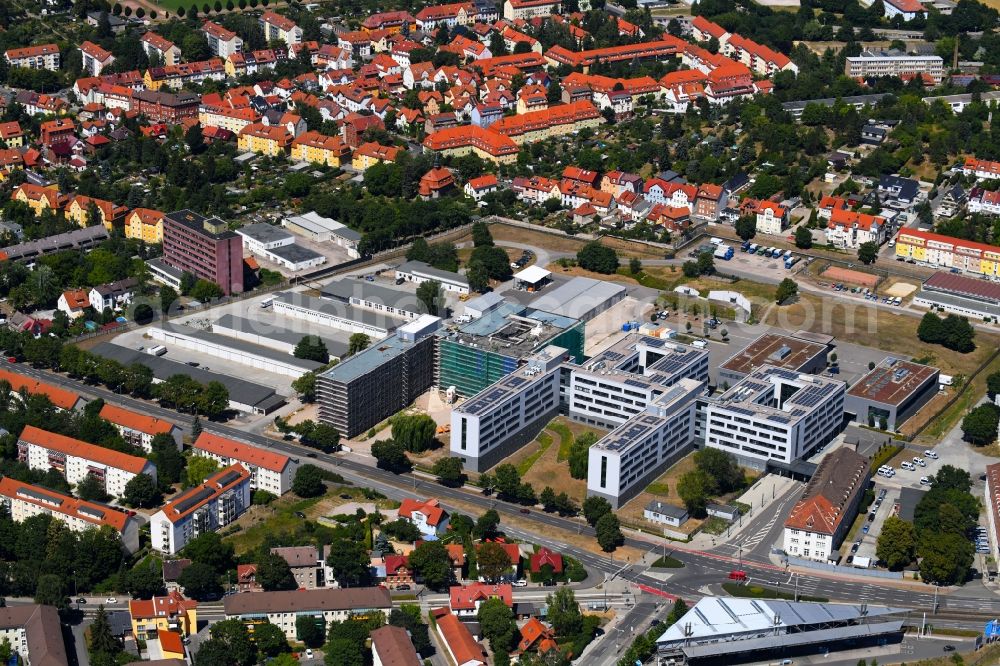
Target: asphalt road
[(702, 568)]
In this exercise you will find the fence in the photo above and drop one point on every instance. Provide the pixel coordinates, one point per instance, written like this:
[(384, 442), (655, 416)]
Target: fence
[(850, 571)]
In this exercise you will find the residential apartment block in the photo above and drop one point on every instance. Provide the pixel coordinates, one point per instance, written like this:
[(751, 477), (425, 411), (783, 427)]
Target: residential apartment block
[(42, 56), (820, 519), (324, 605), (948, 252), (139, 429), (220, 500), (76, 459), (872, 64), (775, 414), (221, 41), (205, 247), (269, 471), (280, 28), (304, 563), (24, 500)]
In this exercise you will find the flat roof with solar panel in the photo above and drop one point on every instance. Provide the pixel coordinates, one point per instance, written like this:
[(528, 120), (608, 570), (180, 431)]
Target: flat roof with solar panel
[(763, 393), (622, 360), (894, 381), (634, 431), (496, 395), (214, 486), (777, 350)]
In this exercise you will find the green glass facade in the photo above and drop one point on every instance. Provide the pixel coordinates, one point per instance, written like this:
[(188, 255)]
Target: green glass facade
[(471, 369)]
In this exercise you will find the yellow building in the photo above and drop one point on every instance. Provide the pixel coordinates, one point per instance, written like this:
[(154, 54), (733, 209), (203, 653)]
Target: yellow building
[(11, 134), (319, 148), (471, 139), (271, 141), (144, 224), (369, 154), (233, 120), (79, 209), (942, 251), (37, 197), (170, 613)]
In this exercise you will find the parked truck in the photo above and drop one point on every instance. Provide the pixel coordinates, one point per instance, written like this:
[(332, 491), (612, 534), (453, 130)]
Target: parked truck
[(724, 252), (791, 261), (753, 248)]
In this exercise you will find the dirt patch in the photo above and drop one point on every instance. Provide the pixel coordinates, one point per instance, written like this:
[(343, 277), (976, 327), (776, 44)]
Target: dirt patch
[(901, 289), (576, 271), (838, 274), (925, 413), (570, 244)]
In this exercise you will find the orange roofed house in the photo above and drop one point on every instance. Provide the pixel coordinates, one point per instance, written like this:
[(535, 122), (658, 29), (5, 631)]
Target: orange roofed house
[(269, 471), (463, 649), (820, 519), (144, 224), (139, 429), (369, 154), (426, 515), (850, 229), (436, 182), (466, 599), (41, 56), (167, 613)]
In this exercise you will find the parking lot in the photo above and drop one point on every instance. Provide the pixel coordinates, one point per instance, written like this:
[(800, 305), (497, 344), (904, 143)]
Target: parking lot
[(767, 269)]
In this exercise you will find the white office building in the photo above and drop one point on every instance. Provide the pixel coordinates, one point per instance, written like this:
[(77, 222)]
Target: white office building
[(269, 471), (775, 414), (622, 462), (76, 459), (418, 272), (506, 415), (220, 500)]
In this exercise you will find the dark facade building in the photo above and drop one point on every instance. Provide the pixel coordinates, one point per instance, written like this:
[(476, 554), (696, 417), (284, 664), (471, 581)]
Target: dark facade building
[(165, 107), (205, 247)]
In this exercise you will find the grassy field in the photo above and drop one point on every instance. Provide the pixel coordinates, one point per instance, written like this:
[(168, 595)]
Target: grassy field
[(542, 464), (570, 244), (278, 519)]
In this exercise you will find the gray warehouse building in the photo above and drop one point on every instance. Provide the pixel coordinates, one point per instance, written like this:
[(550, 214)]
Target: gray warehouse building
[(581, 298), (892, 391), (372, 385)]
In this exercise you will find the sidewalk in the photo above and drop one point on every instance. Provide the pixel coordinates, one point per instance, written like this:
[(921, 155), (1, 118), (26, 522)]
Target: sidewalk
[(768, 491)]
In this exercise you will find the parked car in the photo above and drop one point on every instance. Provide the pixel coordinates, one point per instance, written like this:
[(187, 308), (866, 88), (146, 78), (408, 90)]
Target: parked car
[(520, 583), (930, 454)]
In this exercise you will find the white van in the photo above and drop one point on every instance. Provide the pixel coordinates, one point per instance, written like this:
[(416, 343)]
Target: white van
[(907, 465)]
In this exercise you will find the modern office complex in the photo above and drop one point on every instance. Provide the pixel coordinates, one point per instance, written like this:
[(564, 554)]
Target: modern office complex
[(620, 382), (820, 519), (24, 500), (269, 471), (76, 459), (374, 384), (775, 414), (492, 346), (625, 460), (509, 413), (204, 247), (324, 605), (891, 392), (790, 352), (220, 500), (628, 387)]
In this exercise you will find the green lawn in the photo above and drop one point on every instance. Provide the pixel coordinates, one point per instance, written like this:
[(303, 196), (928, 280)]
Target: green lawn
[(668, 562), (544, 442), (758, 592), (282, 522), (565, 439)]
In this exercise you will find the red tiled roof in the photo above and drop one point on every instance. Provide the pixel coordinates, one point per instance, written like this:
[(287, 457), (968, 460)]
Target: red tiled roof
[(96, 514), (245, 453), (483, 182), (849, 218), (135, 421), (282, 22), (170, 641), (165, 606), (76, 299), (172, 510), (430, 508), (471, 135), (545, 556), (95, 51), (460, 642), (59, 397), (32, 51), (85, 450), (909, 236), (992, 168), (465, 597)]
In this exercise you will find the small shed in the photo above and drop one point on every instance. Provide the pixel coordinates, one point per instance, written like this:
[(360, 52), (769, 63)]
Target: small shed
[(531, 278), (665, 514)]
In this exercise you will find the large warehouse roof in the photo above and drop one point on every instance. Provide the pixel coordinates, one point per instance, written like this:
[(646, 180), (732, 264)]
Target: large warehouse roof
[(961, 285), (578, 297)]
